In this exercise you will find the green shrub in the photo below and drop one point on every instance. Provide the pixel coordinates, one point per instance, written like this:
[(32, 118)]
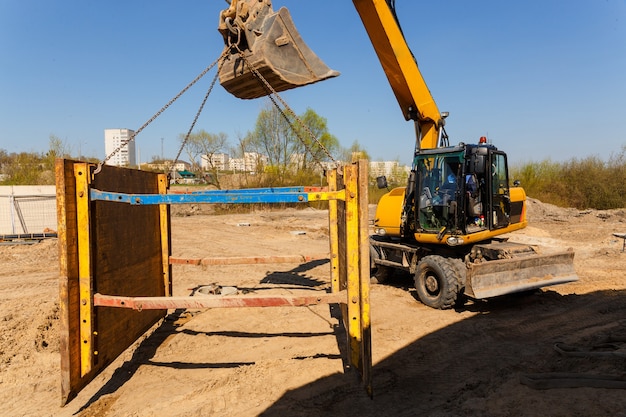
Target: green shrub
[(580, 183)]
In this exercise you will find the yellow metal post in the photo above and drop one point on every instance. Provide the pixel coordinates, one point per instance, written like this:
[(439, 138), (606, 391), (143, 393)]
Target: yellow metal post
[(164, 220), (353, 264), (325, 195), (81, 173)]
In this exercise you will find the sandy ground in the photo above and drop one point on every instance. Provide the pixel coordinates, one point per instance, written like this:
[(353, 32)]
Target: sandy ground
[(288, 361)]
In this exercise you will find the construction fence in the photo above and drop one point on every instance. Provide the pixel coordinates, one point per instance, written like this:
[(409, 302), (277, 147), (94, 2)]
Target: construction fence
[(27, 210)]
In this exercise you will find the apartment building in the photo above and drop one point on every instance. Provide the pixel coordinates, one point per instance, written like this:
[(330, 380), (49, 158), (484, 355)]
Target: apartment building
[(219, 161), (113, 139)]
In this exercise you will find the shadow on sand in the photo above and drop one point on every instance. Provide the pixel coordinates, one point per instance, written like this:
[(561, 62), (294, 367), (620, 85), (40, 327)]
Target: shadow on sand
[(471, 367)]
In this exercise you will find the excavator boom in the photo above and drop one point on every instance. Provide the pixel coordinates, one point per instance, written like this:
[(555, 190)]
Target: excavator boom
[(415, 100)]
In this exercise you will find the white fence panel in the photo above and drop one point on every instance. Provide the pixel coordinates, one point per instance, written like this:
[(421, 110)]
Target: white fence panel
[(26, 209)]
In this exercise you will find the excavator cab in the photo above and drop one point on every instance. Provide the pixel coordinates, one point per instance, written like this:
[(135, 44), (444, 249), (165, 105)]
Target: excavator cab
[(439, 190), (463, 190), (259, 41)]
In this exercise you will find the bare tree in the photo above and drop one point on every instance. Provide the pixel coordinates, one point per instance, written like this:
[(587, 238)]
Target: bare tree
[(355, 151), (288, 146), (203, 145), (271, 137), (309, 149)]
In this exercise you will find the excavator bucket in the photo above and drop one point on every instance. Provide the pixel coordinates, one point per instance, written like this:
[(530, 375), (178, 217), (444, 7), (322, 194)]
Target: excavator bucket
[(519, 273), (272, 46)]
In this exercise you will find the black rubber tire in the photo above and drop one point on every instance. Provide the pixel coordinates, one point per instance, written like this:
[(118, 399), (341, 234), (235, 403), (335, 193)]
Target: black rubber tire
[(437, 281), (378, 273)]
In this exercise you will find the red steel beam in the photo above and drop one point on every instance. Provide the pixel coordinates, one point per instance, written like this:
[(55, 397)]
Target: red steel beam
[(163, 303), (246, 260)]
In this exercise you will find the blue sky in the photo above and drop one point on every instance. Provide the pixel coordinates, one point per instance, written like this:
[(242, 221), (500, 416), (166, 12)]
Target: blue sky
[(541, 78)]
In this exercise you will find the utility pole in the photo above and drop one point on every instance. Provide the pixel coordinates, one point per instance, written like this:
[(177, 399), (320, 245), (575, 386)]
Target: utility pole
[(162, 158)]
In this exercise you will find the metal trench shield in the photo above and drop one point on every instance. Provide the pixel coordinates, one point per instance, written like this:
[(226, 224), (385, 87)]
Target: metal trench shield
[(278, 53), (115, 264), (111, 248)]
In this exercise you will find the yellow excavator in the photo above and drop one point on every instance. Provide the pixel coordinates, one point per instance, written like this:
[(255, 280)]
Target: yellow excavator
[(445, 227)]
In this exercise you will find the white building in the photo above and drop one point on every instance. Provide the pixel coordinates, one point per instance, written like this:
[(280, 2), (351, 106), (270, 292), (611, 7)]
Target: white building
[(181, 166), (391, 169), (296, 160), (237, 164), (249, 163), (113, 139), (219, 161)]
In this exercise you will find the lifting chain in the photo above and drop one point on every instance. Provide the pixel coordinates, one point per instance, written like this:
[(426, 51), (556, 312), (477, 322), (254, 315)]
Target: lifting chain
[(157, 114), (193, 124), (285, 111), (274, 97)]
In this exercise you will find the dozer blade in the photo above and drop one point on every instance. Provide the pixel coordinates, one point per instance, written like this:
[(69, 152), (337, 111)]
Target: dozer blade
[(506, 276), (281, 57)]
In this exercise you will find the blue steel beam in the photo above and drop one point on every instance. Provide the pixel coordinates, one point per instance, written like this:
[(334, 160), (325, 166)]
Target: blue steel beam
[(223, 197), (294, 189)]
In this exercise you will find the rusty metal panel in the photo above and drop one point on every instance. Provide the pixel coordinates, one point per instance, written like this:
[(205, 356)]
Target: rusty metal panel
[(341, 251), (333, 232), (126, 253), (364, 276)]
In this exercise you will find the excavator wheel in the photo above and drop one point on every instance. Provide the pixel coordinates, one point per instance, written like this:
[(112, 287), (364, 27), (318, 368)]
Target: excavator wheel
[(378, 273), (437, 281)]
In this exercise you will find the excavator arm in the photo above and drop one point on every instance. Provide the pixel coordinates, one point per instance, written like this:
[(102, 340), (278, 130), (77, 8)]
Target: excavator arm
[(403, 74), (258, 38)]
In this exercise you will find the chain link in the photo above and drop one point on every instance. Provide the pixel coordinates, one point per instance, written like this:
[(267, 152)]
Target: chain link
[(157, 114), (273, 96), (193, 124)]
